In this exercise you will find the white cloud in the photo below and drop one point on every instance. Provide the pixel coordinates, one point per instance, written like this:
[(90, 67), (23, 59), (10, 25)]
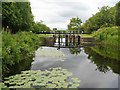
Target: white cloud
[(55, 13)]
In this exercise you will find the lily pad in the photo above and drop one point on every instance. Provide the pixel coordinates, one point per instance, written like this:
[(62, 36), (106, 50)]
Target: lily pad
[(2, 85), (51, 78)]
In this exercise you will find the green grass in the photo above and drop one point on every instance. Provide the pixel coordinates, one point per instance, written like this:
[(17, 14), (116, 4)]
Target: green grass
[(50, 35), (86, 35), (45, 35), (107, 35)]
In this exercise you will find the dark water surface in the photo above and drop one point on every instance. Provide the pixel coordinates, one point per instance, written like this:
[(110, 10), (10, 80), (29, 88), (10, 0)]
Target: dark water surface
[(96, 67)]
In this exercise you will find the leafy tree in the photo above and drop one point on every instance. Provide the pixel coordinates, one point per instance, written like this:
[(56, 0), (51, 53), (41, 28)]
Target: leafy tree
[(0, 14), (118, 14), (104, 18), (74, 24), (17, 15), (39, 27)]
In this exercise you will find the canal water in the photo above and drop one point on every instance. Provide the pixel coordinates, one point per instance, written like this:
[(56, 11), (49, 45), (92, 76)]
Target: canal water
[(95, 66)]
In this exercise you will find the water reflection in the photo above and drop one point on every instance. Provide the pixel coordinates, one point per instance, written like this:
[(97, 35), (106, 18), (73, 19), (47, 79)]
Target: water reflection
[(90, 74), (75, 51), (18, 67), (104, 58)]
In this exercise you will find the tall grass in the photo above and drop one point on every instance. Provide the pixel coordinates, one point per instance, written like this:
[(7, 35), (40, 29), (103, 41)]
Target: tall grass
[(107, 35)]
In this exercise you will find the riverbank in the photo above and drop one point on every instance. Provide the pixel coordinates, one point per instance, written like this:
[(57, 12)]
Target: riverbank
[(107, 35), (17, 49)]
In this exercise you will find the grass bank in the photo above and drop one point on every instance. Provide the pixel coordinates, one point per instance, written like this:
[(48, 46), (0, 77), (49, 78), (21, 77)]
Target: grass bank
[(107, 35), (18, 48), (86, 35)]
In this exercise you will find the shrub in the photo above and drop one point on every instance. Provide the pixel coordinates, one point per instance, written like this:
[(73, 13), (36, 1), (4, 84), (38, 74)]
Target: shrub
[(18, 48), (107, 35)]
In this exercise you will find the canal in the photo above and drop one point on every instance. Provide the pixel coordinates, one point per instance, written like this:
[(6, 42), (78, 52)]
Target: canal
[(96, 66)]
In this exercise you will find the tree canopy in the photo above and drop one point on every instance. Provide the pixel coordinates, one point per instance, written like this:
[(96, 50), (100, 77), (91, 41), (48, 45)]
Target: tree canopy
[(74, 24), (107, 16), (17, 15), (118, 14), (39, 27)]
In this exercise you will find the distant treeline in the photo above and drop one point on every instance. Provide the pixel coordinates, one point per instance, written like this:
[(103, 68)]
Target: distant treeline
[(17, 16), (106, 17)]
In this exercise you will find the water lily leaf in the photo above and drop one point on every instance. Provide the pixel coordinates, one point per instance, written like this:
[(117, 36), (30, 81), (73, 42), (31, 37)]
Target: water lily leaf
[(2, 85), (51, 78), (75, 80), (6, 82), (15, 87), (50, 86)]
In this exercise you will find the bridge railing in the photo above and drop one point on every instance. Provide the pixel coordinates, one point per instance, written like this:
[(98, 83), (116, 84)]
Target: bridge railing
[(59, 32)]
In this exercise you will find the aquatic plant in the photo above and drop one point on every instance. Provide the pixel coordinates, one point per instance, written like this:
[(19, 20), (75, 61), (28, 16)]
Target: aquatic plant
[(2, 85), (51, 78)]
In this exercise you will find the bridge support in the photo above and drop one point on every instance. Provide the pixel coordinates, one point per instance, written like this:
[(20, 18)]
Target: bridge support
[(78, 40), (54, 37), (72, 38), (66, 40), (59, 39)]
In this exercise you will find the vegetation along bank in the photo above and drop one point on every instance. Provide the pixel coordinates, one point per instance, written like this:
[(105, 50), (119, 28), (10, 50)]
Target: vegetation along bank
[(18, 48)]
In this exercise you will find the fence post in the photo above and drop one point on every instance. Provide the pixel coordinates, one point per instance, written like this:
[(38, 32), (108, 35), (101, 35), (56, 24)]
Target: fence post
[(54, 37), (66, 40), (70, 37), (59, 39), (73, 38), (78, 40)]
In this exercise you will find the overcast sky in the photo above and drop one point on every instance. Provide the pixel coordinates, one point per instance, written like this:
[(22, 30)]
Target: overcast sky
[(57, 13)]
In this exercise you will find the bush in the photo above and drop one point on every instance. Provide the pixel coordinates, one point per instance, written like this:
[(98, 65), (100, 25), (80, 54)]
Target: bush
[(18, 48), (107, 35)]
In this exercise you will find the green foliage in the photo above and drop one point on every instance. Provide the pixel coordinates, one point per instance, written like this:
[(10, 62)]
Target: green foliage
[(2, 85), (39, 27), (105, 57), (118, 14), (74, 24), (0, 55), (17, 15), (104, 18), (86, 35), (74, 51), (107, 35), (18, 48), (0, 11), (106, 51), (52, 78), (63, 31), (15, 0)]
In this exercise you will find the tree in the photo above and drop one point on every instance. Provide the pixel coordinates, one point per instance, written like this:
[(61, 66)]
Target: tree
[(39, 27), (104, 18), (118, 14), (74, 24), (17, 15)]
